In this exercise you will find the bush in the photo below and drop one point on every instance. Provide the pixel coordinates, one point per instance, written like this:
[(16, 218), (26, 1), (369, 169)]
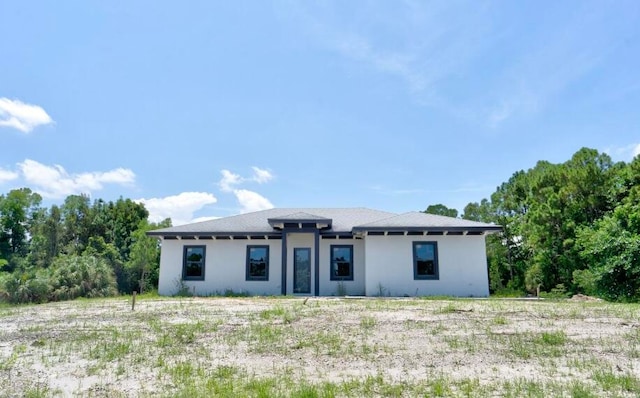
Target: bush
[(587, 281), (509, 291), (558, 292), (26, 288), (82, 276), (69, 278)]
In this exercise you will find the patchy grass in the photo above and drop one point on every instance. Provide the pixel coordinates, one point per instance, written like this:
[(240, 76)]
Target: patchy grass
[(319, 347)]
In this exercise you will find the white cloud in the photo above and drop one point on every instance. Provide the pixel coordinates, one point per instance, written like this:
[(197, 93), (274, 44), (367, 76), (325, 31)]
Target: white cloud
[(179, 208), (7, 175), (261, 176), (229, 179), (55, 182), (21, 116), (625, 153), (251, 201)]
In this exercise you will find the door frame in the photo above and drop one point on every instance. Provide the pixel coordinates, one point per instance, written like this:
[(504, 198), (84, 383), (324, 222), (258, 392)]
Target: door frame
[(295, 268), (286, 269)]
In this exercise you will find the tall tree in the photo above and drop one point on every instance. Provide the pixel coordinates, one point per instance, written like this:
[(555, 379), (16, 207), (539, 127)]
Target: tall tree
[(46, 236), (124, 217), (542, 210), (17, 211), (478, 211), (76, 219), (441, 210)]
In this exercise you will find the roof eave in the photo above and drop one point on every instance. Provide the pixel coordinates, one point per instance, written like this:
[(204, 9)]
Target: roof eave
[(489, 228), (218, 233)]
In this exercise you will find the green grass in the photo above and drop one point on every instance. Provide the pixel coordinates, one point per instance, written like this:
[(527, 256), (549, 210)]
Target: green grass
[(556, 338), (617, 381)]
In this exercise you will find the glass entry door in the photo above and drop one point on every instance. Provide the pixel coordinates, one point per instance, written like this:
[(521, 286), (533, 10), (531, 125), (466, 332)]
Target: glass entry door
[(302, 270)]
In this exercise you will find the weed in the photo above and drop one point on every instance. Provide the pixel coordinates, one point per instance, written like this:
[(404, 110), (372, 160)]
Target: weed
[(367, 323), (580, 390), (182, 290), (449, 308), (440, 387), (610, 381), (499, 320), (7, 364), (552, 338), (38, 391)]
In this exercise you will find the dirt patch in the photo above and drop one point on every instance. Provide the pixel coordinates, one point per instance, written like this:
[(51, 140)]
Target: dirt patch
[(399, 347), (582, 297)]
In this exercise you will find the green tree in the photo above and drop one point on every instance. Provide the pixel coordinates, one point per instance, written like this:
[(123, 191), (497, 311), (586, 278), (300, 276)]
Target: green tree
[(17, 212), (441, 210), (479, 211), (613, 255), (124, 217), (46, 236), (76, 221), (541, 210), (98, 248), (610, 247), (563, 198), (144, 260)]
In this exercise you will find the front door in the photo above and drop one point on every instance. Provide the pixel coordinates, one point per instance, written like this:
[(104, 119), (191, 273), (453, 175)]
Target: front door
[(302, 270)]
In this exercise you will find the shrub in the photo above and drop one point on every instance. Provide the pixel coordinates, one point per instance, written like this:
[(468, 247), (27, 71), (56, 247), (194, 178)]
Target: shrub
[(26, 288), (81, 276), (586, 280)]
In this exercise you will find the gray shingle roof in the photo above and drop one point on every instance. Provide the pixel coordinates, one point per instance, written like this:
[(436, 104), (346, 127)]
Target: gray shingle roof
[(301, 215), (344, 219), (416, 219)]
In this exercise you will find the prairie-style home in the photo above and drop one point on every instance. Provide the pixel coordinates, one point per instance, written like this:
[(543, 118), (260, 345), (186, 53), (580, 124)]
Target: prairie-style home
[(325, 252)]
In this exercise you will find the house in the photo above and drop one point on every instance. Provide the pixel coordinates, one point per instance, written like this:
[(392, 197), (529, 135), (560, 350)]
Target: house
[(325, 252)]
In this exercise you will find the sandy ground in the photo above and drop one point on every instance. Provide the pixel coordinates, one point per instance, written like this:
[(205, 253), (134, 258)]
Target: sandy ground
[(103, 348)]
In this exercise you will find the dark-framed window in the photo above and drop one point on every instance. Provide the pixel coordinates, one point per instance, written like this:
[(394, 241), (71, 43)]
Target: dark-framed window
[(257, 263), (193, 261), (425, 260), (341, 267)]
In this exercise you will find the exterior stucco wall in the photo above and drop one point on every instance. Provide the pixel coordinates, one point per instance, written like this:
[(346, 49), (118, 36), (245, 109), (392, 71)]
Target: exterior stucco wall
[(354, 287), (462, 266), (389, 264), (225, 267)]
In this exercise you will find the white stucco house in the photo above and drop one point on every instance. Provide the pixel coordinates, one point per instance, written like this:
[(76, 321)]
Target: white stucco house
[(325, 252)]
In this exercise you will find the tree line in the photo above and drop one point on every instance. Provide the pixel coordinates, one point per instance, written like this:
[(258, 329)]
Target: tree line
[(80, 248), (572, 227)]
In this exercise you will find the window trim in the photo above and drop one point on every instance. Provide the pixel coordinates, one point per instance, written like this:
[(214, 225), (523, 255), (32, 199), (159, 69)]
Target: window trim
[(184, 262), (248, 277), (436, 275), (340, 278)]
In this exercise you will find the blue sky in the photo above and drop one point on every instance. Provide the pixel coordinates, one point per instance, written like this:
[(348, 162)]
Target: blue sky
[(207, 109)]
